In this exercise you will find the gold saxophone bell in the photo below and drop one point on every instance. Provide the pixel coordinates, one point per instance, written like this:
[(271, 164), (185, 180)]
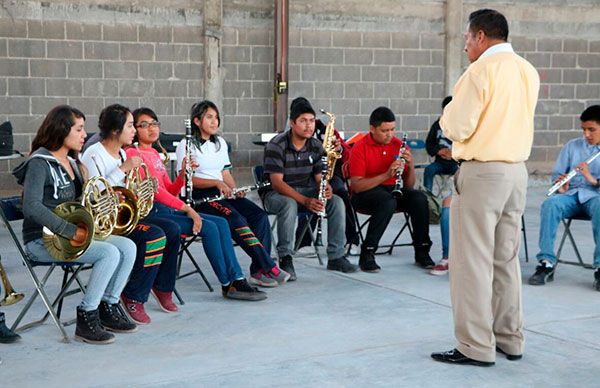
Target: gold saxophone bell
[(10, 295), (60, 247)]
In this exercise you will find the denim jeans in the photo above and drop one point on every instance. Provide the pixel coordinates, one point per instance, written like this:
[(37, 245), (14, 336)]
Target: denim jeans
[(561, 206), (445, 230), (216, 241), (338, 185), (286, 210), (112, 261), (434, 169)]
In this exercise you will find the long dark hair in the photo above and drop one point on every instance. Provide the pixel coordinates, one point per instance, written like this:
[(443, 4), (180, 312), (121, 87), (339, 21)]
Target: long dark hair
[(112, 120), (199, 110), (148, 112), (56, 127)]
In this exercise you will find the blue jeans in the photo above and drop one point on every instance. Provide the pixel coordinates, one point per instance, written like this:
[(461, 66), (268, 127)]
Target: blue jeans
[(112, 261), (436, 168), (445, 230), (286, 210), (561, 206), (216, 241)]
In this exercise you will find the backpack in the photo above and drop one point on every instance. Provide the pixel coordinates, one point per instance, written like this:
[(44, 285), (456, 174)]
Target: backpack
[(435, 206)]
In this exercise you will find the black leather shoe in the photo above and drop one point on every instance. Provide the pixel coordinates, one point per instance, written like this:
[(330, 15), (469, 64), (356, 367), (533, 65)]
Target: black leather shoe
[(455, 357), (510, 357)]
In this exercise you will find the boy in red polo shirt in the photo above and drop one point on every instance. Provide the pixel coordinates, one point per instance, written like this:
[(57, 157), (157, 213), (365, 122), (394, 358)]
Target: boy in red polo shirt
[(373, 165)]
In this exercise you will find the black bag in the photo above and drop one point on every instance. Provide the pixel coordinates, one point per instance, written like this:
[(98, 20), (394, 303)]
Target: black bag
[(6, 139)]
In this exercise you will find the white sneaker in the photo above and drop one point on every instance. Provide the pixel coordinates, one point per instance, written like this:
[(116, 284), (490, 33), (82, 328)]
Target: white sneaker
[(308, 251)]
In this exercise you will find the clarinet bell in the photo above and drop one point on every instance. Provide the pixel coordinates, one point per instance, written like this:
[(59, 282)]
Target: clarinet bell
[(397, 193)]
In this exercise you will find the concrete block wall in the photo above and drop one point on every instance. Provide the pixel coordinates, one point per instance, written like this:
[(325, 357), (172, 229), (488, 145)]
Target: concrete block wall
[(347, 57)]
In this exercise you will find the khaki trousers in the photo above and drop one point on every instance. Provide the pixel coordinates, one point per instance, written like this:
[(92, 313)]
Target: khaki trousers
[(485, 275)]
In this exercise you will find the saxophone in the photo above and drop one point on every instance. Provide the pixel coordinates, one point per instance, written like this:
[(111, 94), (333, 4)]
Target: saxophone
[(329, 158)]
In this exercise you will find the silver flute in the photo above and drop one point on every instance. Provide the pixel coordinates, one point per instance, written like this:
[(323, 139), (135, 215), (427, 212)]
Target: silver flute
[(397, 192), (569, 176), (189, 170), (234, 192)]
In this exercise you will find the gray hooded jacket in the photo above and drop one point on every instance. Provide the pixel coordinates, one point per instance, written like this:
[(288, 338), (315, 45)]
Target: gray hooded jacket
[(46, 184)]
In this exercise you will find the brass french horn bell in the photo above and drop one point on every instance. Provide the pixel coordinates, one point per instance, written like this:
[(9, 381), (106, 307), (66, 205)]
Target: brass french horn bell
[(60, 247)]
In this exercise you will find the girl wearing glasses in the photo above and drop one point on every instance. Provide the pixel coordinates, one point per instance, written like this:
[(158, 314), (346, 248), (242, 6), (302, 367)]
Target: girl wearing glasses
[(216, 238)]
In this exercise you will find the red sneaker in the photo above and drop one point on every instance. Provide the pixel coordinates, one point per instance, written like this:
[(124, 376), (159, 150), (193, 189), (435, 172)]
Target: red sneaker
[(441, 268), (135, 311), (165, 300)]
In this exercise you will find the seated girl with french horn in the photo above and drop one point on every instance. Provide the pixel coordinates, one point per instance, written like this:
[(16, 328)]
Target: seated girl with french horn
[(52, 180), (216, 237), (157, 239)]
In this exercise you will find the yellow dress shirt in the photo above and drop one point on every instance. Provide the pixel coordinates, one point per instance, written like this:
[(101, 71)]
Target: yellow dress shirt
[(491, 114)]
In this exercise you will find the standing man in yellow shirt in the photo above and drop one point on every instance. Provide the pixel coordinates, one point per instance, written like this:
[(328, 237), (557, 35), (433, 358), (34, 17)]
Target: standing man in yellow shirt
[(490, 121)]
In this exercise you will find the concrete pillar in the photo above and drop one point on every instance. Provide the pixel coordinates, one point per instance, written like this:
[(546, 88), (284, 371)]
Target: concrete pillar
[(455, 29), (213, 33)]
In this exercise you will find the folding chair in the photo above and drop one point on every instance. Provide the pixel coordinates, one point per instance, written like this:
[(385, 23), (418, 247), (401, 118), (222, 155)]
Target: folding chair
[(11, 211), (186, 241), (307, 216), (567, 233), (389, 248)]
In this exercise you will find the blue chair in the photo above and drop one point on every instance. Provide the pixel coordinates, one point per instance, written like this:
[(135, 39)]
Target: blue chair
[(307, 216), (11, 211)]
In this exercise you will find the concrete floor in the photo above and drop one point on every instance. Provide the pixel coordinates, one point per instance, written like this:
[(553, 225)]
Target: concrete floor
[(326, 329)]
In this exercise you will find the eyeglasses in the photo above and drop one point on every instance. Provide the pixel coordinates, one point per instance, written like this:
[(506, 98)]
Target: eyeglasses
[(145, 124)]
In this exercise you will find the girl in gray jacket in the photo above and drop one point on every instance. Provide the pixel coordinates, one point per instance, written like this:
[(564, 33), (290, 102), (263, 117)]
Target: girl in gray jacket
[(50, 176)]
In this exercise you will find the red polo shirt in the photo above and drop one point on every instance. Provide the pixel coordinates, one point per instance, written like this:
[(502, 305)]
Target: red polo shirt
[(369, 159)]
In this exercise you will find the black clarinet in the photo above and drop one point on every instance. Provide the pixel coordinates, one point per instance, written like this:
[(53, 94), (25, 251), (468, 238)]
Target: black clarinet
[(397, 192), (189, 171)]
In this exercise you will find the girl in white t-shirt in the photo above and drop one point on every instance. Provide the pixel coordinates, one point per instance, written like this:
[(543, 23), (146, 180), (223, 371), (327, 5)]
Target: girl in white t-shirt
[(249, 223)]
